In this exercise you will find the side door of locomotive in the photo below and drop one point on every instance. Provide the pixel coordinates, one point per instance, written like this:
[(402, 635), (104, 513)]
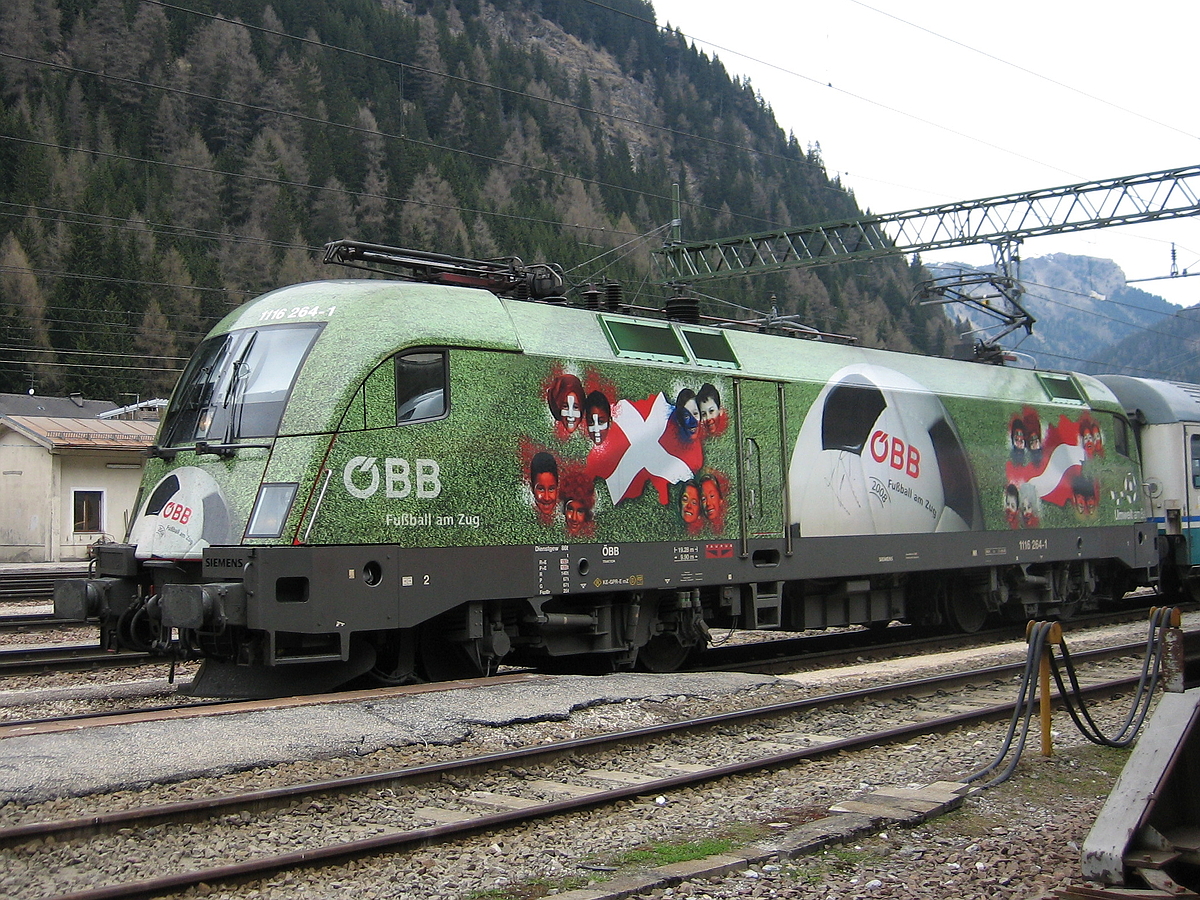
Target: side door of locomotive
[(759, 427)]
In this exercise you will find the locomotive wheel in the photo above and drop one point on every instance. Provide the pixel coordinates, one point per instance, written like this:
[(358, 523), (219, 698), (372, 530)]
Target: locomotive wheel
[(964, 610), (442, 659), (662, 653), (396, 659)]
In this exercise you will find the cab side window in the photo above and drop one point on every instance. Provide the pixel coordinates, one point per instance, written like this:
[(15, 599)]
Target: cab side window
[(1122, 436), (422, 386)]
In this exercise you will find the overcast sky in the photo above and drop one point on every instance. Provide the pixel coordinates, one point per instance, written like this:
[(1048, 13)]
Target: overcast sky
[(921, 102)]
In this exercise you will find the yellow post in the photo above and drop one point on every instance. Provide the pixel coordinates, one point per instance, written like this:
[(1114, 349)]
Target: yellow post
[(1053, 636)]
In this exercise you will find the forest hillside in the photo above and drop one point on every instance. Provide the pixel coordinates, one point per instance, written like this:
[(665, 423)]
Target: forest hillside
[(160, 165)]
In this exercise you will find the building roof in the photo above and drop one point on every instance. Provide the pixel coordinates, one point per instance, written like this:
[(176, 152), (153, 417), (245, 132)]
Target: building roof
[(56, 433), (62, 407)]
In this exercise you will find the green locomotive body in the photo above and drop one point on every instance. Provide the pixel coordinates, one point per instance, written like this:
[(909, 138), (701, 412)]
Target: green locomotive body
[(418, 480)]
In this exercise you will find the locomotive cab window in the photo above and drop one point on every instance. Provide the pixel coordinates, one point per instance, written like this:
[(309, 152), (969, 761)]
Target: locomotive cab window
[(1121, 432), (237, 384), (1195, 460), (422, 389)]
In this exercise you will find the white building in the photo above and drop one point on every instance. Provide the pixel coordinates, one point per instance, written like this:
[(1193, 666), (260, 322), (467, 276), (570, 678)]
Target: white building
[(67, 478)]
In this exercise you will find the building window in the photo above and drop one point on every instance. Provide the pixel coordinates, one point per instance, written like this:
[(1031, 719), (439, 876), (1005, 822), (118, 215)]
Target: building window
[(87, 511)]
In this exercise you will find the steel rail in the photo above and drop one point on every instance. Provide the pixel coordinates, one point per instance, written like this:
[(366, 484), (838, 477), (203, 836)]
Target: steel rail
[(15, 586), (772, 655), (31, 659), (36, 622), (768, 657)]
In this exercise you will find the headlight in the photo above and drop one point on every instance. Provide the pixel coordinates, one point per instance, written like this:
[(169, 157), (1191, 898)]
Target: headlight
[(271, 510)]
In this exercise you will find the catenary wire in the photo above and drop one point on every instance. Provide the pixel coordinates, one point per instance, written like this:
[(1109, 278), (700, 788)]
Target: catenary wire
[(829, 85), (1026, 70)]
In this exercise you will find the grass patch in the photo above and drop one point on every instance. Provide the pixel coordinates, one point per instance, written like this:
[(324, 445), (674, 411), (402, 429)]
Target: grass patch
[(851, 859), (648, 856), (665, 854), (1083, 772)]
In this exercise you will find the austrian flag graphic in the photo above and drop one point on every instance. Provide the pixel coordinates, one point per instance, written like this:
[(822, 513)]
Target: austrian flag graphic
[(1061, 459), (644, 444)]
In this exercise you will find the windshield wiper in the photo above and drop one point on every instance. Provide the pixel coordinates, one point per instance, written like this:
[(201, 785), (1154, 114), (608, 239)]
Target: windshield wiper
[(236, 389), (226, 450)]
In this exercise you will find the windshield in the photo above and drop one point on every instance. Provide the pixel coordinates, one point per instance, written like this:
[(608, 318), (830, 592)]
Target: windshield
[(236, 385)]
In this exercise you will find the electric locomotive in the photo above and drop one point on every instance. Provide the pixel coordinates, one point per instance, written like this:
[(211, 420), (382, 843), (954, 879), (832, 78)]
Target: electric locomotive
[(419, 479)]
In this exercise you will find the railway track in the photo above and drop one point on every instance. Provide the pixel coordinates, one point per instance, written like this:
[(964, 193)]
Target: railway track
[(20, 585), (764, 653), (776, 654), (427, 805), (23, 623), (33, 659)]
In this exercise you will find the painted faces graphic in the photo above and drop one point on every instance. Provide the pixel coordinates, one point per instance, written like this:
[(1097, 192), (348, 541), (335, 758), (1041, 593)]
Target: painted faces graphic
[(1058, 467), (636, 448), (712, 417), (1012, 503), (575, 514), (712, 501), (578, 496), (564, 397), (689, 504), (687, 414), (543, 480), (597, 417)]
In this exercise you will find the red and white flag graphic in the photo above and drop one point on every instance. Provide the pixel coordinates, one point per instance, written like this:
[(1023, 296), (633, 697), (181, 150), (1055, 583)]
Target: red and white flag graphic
[(1061, 459), (644, 444)]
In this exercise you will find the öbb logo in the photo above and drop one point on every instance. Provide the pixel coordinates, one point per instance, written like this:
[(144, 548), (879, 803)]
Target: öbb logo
[(398, 477), (900, 456), (177, 512)]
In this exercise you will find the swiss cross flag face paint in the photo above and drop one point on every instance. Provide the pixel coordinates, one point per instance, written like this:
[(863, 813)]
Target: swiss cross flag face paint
[(571, 414), (545, 492), (597, 428)]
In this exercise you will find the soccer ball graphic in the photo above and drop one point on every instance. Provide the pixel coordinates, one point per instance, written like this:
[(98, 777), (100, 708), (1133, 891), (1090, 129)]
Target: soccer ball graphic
[(878, 454), (184, 514)]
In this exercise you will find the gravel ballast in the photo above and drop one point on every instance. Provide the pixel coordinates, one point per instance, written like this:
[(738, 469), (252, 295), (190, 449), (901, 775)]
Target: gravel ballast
[(1018, 840)]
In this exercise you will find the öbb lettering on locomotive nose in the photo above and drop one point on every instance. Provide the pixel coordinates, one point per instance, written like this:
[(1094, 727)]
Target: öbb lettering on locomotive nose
[(417, 479)]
